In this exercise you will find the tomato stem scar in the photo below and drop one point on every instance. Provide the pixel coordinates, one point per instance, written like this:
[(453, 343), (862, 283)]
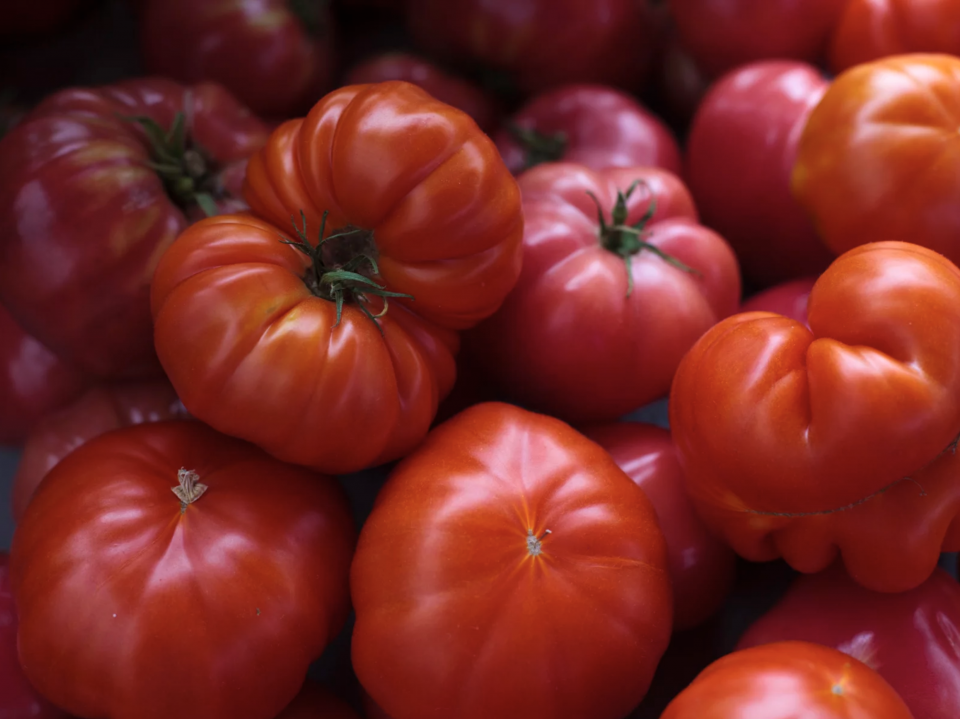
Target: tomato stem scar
[(534, 543), (190, 488)]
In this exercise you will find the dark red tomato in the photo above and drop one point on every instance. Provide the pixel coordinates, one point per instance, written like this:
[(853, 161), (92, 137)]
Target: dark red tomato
[(723, 34), (206, 602), (789, 299), (98, 410), (679, 84), (18, 699), (23, 17), (599, 321), (912, 639), (85, 216), (543, 43), (275, 56), (316, 702), (443, 86), (740, 154), (591, 125), (702, 567), (873, 29), (33, 381)]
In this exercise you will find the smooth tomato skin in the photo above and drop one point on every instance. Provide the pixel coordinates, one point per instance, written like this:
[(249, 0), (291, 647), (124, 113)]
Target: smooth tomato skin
[(260, 50), (723, 34), (98, 410), (789, 299), (872, 29), (568, 340), (787, 680), (878, 155), (908, 638), (702, 568), (740, 152), (117, 583), (836, 417), (602, 126), (447, 88), (317, 702), (18, 699), (542, 43), (75, 181), (456, 616)]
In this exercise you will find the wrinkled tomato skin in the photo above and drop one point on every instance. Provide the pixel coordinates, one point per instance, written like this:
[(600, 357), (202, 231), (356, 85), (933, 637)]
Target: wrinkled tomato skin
[(466, 606), (317, 702), (117, 580), (702, 568), (788, 680), (789, 299), (909, 638), (740, 154), (848, 421)]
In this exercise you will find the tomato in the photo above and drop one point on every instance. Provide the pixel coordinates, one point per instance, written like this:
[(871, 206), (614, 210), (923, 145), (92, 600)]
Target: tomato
[(591, 125), (878, 156), (316, 702), (98, 410), (542, 43), (740, 153), (598, 322), (723, 34), (33, 381), (18, 699), (84, 218), (789, 299), (701, 567), (909, 638), (873, 29), (679, 85), (788, 680), (22, 17), (139, 602), (445, 87), (803, 443), (248, 328), (497, 576)]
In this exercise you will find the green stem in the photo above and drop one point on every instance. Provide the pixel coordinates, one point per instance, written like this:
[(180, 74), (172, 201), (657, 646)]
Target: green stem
[(538, 147)]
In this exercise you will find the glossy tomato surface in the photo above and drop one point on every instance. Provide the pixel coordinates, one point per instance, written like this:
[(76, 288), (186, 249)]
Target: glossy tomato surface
[(84, 217), (585, 335), (138, 602), (509, 569), (740, 153), (878, 155), (701, 566), (788, 680), (789, 299), (804, 442), (909, 638)]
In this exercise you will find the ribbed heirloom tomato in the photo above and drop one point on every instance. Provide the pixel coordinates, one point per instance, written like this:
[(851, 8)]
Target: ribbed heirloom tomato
[(294, 346), (805, 441)]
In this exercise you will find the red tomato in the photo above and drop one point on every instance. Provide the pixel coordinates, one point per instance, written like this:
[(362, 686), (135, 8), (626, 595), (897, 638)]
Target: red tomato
[(136, 602), (701, 567), (574, 338), (276, 56), (33, 381), (76, 181), (591, 125), (910, 638), (878, 156), (722, 34), (543, 43), (247, 327), (740, 152), (21, 17), (497, 576), (873, 29), (788, 680), (98, 410), (18, 699), (803, 443), (445, 87), (789, 299), (316, 702)]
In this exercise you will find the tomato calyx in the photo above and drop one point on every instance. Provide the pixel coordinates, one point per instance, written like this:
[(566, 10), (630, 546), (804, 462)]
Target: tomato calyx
[(189, 489), (535, 543), (310, 13), (628, 240), (537, 146), (336, 271)]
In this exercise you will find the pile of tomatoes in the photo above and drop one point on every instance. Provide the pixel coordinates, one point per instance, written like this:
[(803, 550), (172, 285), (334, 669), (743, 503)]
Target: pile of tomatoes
[(480, 359)]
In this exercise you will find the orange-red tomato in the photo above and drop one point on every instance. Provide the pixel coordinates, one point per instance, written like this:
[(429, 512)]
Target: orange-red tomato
[(509, 569), (801, 442), (788, 680)]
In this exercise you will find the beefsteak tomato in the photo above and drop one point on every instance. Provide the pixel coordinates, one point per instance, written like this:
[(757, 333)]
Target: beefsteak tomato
[(509, 569), (208, 601)]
